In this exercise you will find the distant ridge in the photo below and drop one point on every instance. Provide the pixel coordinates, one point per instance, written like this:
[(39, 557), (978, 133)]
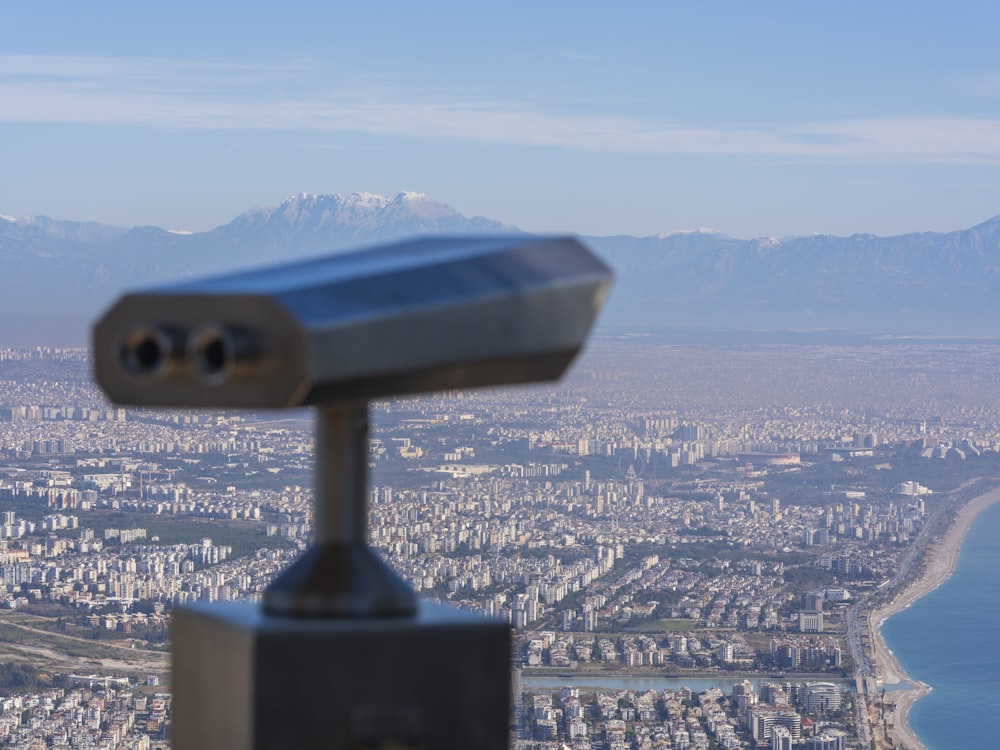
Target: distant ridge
[(914, 283), (55, 276)]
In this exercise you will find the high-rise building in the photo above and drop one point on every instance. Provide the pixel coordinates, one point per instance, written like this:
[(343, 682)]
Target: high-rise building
[(688, 432), (829, 740), (821, 696), (589, 618), (812, 601), (811, 622), (763, 721), (781, 739)]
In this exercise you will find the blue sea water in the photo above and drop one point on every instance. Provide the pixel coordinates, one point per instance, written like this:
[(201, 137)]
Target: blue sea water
[(950, 639)]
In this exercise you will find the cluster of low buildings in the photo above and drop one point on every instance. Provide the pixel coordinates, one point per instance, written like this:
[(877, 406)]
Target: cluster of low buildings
[(92, 714), (684, 649), (88, 573), (577, 514), (778, 716)]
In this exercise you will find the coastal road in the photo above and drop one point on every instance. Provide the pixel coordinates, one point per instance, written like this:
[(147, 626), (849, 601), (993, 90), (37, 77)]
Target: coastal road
[(866, 670), (862, 670), (862, 624)]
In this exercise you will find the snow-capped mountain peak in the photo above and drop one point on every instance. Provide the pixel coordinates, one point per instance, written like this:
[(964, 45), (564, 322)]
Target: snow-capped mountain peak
[(687, 232), (320, 223)]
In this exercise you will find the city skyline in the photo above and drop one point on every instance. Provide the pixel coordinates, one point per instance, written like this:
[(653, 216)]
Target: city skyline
[(722, 516), (776, 120)]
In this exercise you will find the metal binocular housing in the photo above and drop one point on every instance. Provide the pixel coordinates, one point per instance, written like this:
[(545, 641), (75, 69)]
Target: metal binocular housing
[(430, 314)]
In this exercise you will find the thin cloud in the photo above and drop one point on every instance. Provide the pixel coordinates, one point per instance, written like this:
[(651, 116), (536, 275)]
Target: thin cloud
[(297, 96)]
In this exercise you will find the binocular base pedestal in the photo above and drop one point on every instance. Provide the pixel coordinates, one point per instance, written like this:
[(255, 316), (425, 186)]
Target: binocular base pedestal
[(244, 680)]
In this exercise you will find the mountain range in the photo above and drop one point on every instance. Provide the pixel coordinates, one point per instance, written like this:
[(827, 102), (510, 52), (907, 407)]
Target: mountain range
[(56, 276)]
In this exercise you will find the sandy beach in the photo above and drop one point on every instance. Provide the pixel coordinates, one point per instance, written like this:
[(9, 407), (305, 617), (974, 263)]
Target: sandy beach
[(941, 558)]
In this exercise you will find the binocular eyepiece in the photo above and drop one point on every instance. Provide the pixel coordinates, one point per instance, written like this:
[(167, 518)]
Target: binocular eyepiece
[(213, 352)]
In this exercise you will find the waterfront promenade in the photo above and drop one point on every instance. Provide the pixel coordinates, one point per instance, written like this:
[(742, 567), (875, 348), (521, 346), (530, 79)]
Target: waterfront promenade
[(938, 564)]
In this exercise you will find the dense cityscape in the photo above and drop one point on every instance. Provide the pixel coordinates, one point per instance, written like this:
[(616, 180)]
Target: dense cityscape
[(722, 516)]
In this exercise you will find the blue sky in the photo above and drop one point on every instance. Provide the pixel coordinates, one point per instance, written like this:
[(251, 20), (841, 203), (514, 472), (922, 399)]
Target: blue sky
[(754, 119)]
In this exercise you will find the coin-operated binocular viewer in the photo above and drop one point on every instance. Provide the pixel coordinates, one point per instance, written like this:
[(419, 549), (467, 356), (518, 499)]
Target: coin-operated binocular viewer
[(340, 653)]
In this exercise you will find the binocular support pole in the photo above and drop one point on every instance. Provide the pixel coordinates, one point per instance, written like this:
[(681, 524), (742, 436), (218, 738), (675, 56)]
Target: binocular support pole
[(339, 656), (340, 575)]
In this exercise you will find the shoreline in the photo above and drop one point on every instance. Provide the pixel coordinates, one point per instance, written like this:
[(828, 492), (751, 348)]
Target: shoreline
[(940, 560)]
